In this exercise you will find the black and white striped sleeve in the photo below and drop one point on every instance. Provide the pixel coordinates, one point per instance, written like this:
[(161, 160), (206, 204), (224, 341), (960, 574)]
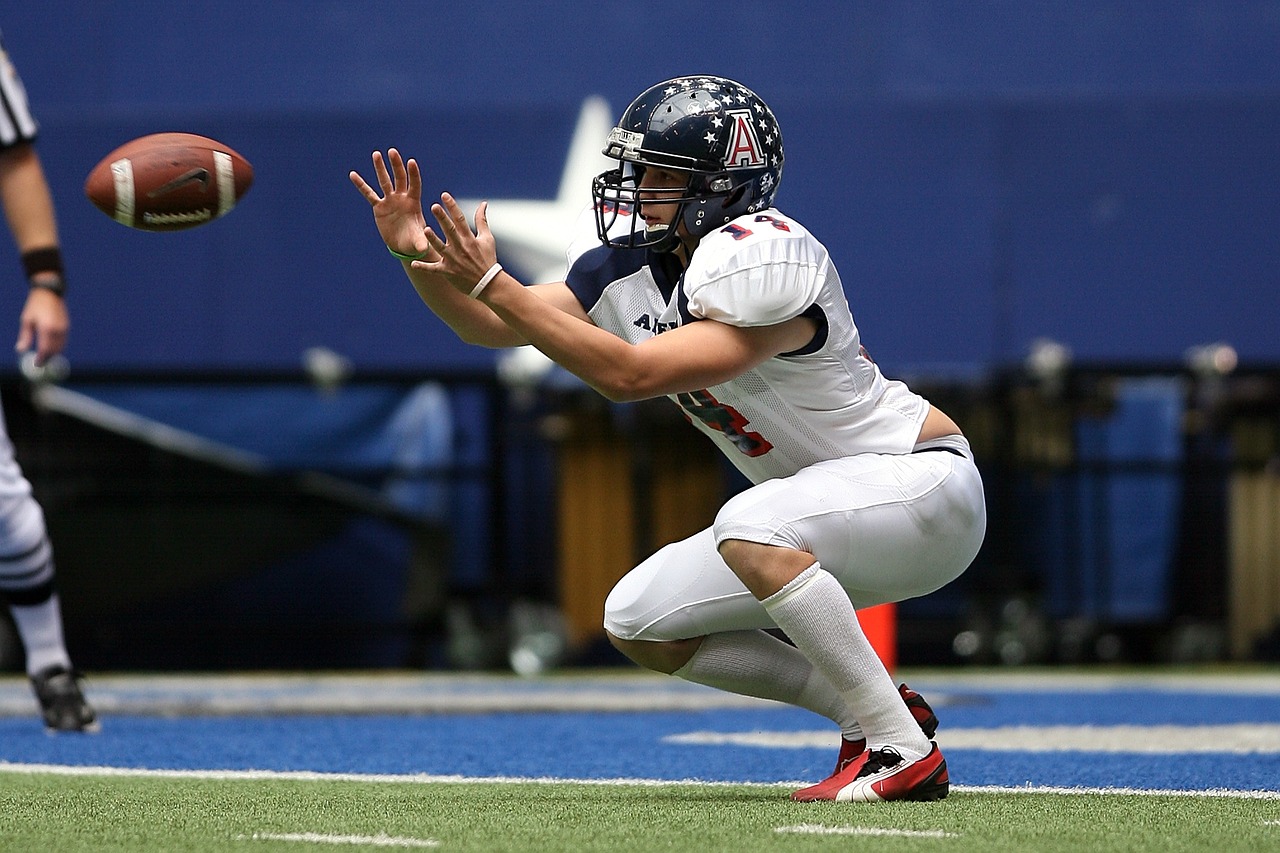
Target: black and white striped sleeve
[(17, 125)]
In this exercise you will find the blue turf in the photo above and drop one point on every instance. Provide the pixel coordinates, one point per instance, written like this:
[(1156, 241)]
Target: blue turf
[(630, 745)]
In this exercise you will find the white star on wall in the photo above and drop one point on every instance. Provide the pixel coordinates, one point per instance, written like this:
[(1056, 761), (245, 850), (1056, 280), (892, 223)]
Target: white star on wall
[(533, 235)]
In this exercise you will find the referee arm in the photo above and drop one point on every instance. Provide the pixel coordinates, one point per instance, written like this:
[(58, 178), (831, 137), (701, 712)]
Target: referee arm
[(29, 212)]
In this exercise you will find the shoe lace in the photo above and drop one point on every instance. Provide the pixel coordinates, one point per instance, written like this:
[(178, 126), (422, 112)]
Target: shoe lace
[(880, 759)]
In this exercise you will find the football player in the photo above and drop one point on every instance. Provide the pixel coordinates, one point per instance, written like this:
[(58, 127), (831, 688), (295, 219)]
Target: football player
[(26, 557), (700, 290)]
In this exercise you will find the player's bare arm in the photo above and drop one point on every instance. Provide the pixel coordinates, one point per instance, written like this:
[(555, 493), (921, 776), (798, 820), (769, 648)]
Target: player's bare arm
[(28, 206), (685, 359), (691, 357), (397, 212)]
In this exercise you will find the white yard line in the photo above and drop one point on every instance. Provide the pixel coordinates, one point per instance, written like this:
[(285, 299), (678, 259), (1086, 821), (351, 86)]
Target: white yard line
[(350, 840), (423, 778), (818, 829)]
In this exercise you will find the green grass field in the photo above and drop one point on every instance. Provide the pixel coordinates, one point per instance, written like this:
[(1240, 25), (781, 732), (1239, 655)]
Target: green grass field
[(47, 812)]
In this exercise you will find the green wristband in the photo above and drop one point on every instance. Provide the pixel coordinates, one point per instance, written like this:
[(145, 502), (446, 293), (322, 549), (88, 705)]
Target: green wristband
[(406, 257)]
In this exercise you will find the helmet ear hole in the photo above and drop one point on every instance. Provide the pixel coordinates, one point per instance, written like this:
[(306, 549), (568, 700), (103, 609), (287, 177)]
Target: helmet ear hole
[(735, 197)]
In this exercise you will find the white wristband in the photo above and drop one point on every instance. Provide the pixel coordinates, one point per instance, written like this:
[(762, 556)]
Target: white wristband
[(485, 279)]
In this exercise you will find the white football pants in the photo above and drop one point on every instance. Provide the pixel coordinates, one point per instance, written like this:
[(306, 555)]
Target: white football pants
[(888, 527)]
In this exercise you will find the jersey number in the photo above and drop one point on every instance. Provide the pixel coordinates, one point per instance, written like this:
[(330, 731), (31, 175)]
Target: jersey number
[(740, 233), (725, 419)]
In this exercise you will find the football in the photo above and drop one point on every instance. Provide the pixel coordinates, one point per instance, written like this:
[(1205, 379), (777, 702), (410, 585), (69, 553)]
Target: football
[(168, 181)]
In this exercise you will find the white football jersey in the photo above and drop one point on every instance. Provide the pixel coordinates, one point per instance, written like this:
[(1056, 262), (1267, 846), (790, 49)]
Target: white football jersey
[(825, 401)]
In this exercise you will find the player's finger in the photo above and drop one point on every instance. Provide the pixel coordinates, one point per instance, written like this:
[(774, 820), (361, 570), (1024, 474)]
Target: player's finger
[(433, 253), (365, 190), (455, 212), (434, 243), (380, 171), (482, 219), (50, 345), (397, 168), (24, 338), (415, 178), (447, 224), (435, 266)]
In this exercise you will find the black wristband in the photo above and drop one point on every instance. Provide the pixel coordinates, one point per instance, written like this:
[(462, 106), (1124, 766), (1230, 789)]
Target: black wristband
[(48, 259)]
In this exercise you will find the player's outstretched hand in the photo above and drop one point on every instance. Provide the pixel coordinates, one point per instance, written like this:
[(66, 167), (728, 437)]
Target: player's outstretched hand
[(397, 211), (463, 256)]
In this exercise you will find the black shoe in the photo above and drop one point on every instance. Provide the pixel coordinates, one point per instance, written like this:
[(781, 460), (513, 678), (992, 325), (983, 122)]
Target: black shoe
[(62, 702)]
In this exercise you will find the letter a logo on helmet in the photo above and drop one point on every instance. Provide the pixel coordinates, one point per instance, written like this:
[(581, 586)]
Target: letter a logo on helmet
[(744, 146)]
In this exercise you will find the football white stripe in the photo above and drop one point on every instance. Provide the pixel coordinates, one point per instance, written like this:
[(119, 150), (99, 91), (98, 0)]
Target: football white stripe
[(122, 173), (226, 181)]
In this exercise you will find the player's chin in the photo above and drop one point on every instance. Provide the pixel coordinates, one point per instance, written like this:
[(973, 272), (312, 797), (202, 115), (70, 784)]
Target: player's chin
[(662, 239)]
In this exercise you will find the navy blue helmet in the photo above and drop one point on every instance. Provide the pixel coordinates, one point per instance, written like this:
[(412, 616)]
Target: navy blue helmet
[(718, 131)]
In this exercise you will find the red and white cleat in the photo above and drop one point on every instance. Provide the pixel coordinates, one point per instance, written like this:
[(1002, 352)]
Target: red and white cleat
[(855, 750), (885, 775), (852, 752)]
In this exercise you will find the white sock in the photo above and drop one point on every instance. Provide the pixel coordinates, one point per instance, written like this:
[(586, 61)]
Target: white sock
[(40, 627), (755, 663), (816, 613)]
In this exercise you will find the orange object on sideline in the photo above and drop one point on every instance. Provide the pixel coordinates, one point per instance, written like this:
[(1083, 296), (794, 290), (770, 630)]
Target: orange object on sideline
[(880, 624)]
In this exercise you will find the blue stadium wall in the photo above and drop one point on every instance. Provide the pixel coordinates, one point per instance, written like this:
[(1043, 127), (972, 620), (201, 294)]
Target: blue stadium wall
[(1106, 174)]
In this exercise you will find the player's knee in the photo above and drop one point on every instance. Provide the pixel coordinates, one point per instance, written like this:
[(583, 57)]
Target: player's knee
[(764, 569), (753, 516), (665, 656), (624, 609)]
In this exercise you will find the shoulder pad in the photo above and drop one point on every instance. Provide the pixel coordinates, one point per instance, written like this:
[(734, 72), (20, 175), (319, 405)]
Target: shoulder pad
[(768, 275)]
